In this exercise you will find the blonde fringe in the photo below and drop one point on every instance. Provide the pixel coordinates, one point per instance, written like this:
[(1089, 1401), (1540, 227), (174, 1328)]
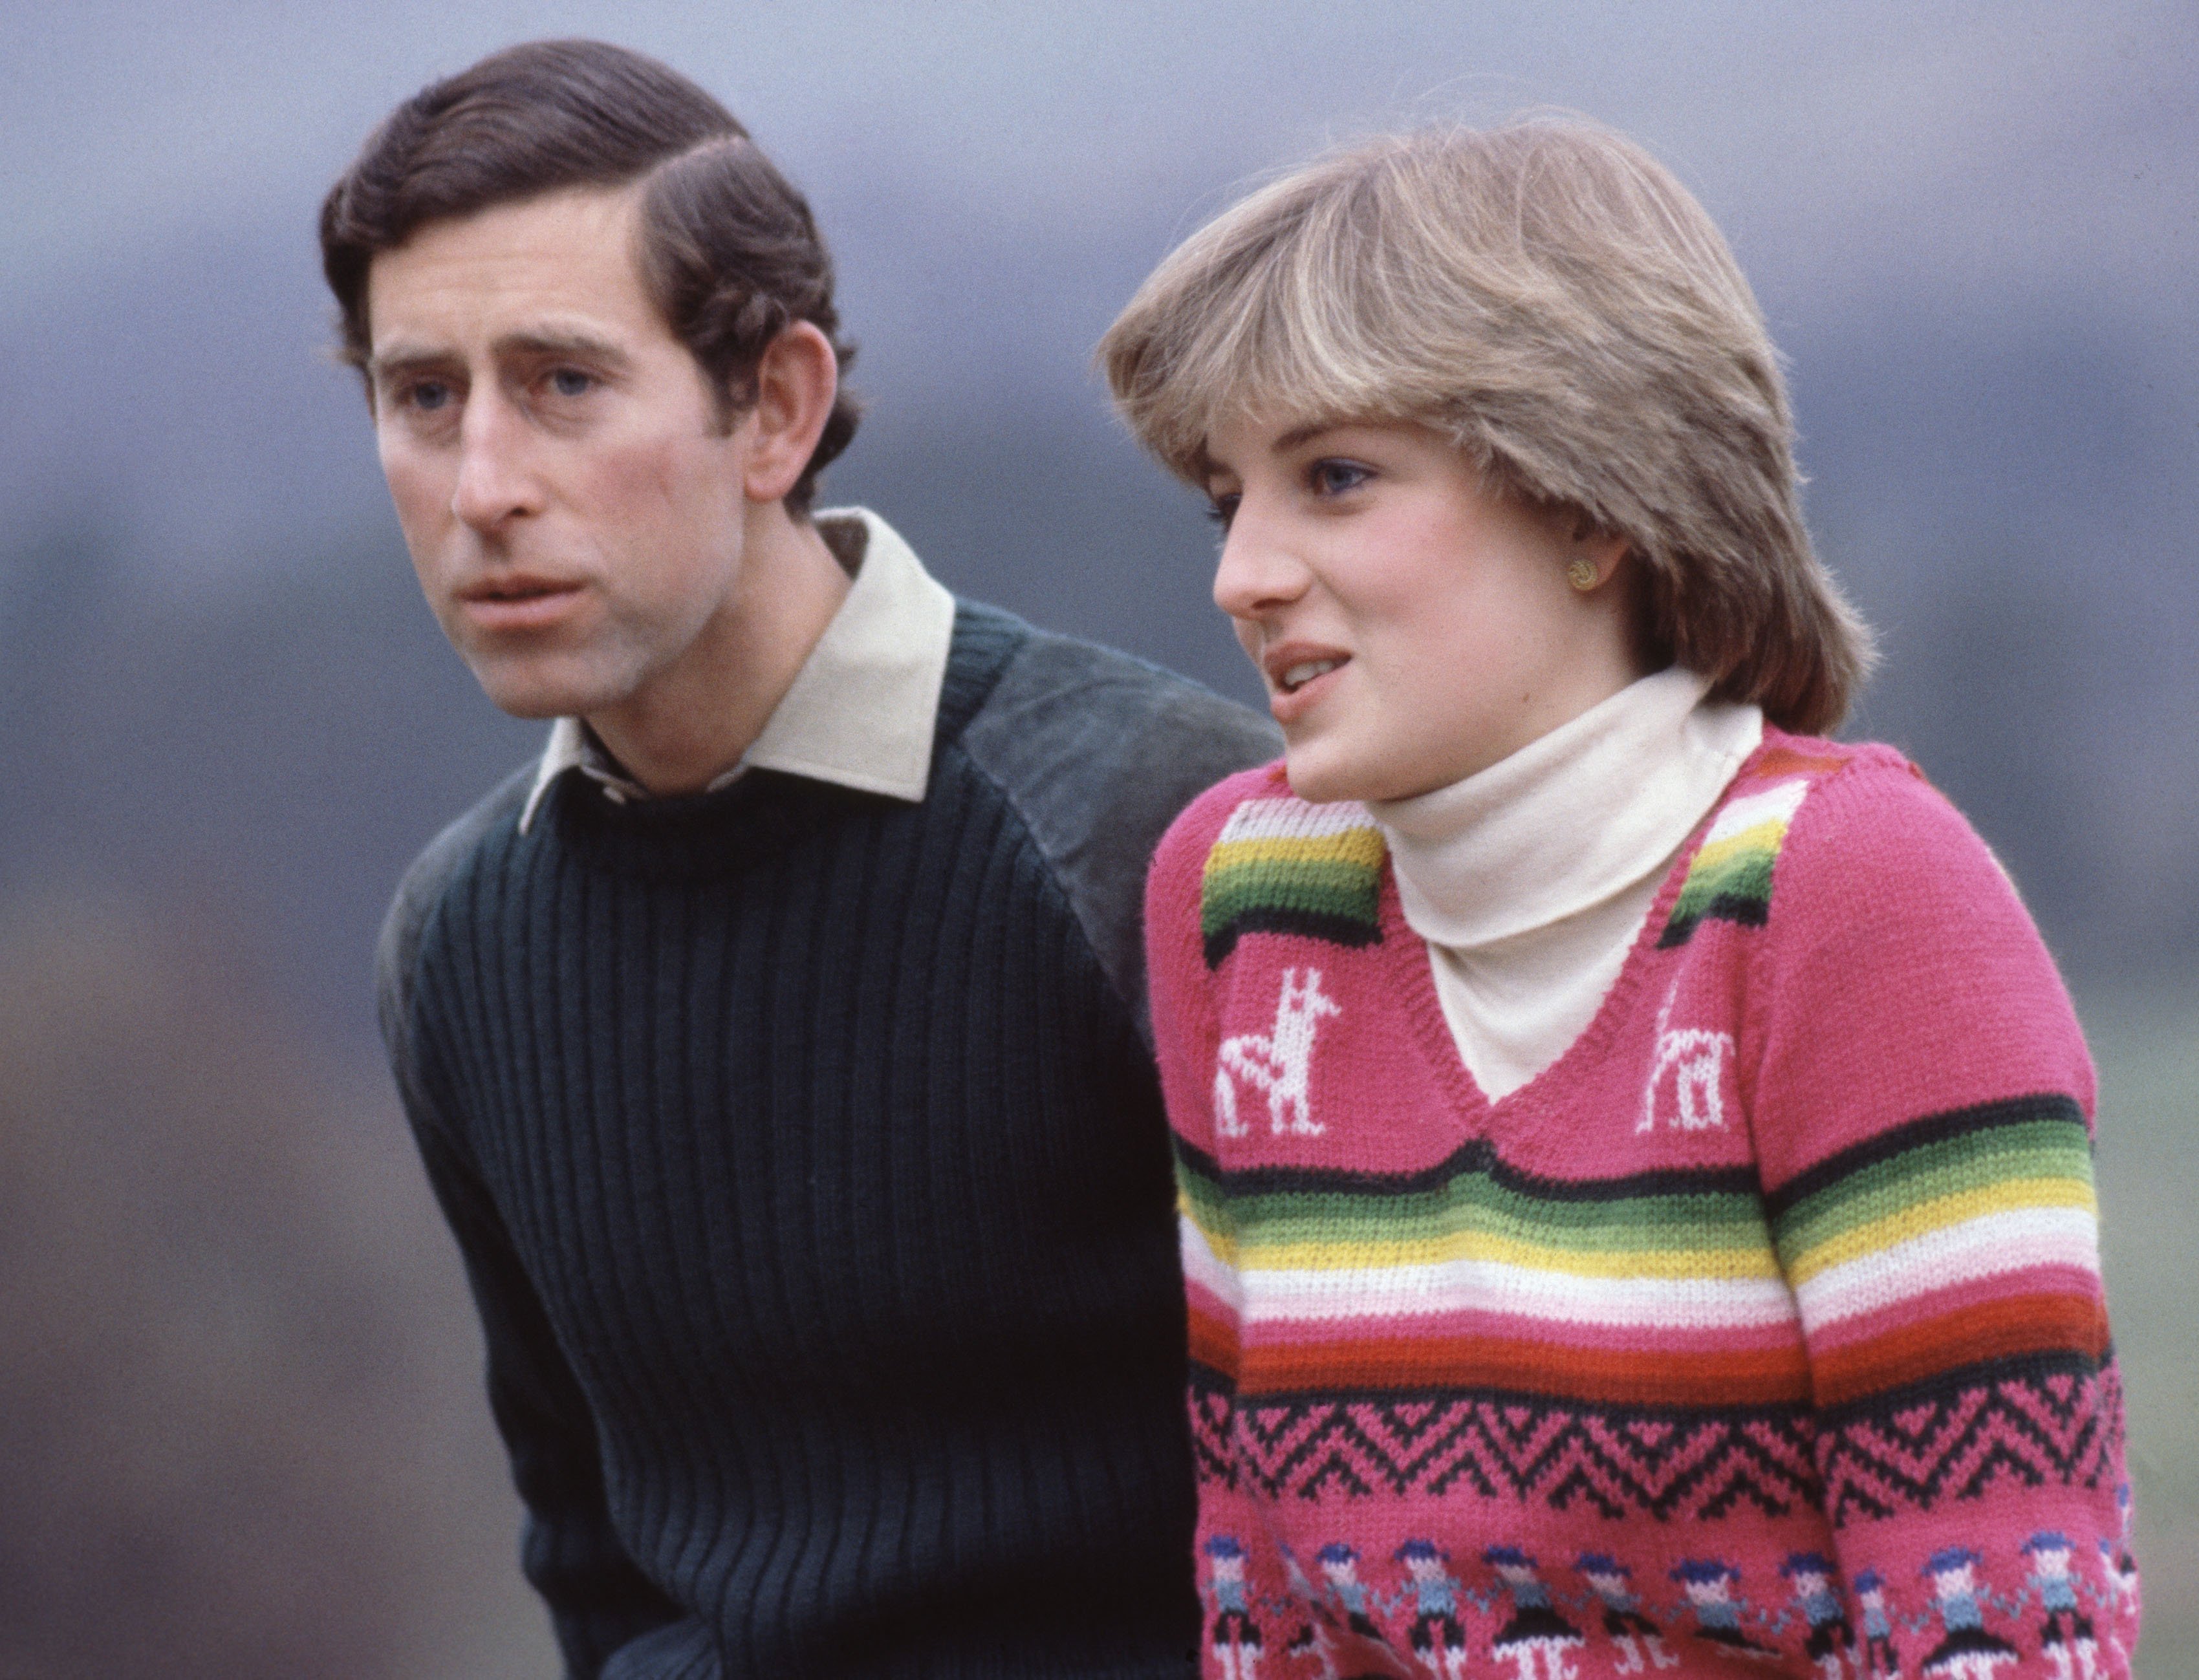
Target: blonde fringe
[(1548, 295)]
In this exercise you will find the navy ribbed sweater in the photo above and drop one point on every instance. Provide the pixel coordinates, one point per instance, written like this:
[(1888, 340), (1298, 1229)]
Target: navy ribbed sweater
[(810, 1174)]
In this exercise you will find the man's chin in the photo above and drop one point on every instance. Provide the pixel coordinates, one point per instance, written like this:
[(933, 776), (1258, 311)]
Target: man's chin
[(524, 693)]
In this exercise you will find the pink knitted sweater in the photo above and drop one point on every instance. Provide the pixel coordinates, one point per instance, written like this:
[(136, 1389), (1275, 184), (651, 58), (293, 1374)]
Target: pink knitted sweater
[(1764, 1325)]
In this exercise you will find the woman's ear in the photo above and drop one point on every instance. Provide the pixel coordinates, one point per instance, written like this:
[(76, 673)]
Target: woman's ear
[(796, 380), (1595, 555)]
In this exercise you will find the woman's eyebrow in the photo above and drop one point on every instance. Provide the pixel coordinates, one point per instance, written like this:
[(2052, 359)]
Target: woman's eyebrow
[(1302, 434)]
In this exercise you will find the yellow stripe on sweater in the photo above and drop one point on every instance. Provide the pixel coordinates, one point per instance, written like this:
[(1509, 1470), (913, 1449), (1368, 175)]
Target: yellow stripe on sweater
[(1253, 1256), (1764, 837), (1940, 1214), (1361, 846)]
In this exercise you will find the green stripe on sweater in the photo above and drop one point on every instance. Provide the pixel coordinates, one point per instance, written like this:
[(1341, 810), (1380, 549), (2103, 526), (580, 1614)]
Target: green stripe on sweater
[(2048, 1147), (1736, 889), (1316, 887), (1475, 1202)]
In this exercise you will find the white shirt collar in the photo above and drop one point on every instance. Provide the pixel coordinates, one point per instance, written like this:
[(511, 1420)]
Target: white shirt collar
[(861, 711), (1570, 820)]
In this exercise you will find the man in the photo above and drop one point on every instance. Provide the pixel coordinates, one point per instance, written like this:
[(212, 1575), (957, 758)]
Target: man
[(776, 1045)]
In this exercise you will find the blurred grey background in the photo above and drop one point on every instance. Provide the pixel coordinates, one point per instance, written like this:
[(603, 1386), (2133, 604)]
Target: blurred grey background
[(240, 1426)]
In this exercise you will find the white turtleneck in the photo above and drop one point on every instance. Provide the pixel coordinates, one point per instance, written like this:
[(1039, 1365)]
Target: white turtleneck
[(1530, 879)]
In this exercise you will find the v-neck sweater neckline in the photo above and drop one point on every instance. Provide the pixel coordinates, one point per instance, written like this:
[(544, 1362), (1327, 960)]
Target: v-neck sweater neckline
[(1542, 1092), (1530, 882)]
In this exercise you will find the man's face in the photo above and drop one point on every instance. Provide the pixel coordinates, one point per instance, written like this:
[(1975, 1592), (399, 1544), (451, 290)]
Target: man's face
[(574, 509)]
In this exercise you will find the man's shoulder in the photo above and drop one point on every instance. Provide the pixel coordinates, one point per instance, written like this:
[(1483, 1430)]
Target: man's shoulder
[(1117, 712), (429, 876), (1098, 750)]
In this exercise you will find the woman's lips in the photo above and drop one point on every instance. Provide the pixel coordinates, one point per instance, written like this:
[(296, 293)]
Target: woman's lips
[(1288, 704)]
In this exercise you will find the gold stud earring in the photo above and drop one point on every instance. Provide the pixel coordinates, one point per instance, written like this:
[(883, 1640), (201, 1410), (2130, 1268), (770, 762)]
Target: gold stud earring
[(1583, 574)]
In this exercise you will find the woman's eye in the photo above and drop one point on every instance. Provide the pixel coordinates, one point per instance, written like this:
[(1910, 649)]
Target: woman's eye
[(1222, 510), (1333, 478), (571, 383)]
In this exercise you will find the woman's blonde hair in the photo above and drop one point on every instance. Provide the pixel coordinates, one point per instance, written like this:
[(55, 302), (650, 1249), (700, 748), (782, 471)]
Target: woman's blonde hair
[(1548, 296)]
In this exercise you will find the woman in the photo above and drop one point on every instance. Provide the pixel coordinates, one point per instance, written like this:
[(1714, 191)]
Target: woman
[(1634, 1152)]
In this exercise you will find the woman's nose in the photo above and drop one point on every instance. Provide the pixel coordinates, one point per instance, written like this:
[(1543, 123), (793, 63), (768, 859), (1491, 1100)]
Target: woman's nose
[(1257, 571)]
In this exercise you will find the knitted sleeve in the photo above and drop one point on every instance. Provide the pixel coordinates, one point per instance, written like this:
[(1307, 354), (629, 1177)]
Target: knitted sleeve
[(1923, 1103), (598, 1600), (1186, 1038)]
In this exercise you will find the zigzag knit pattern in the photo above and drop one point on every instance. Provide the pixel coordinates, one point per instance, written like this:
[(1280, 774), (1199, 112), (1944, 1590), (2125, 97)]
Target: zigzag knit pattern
[(1766, 1323)]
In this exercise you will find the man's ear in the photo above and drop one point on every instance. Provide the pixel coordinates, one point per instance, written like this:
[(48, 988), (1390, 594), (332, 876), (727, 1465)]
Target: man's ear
[(796, 383)]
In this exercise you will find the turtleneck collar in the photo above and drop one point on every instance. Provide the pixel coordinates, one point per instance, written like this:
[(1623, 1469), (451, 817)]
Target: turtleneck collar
[(1580, 817)]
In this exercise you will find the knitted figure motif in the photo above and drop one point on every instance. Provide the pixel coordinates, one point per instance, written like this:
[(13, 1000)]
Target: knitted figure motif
[(1709, 1587), (2121, 1571), (1881, 1661), (1235, 1637), (1786, 1271), (1439, 1638), (1311, 1642), (1534, 1629), (1340, 1568), (1631, 1634), (1832, 1635), (1967, 1652), (1279, 1063), (2068, 1638), (1688, 1077)]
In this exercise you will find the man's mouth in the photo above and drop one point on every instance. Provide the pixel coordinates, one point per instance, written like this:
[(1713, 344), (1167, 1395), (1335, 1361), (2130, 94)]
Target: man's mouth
[(518, 603), (515, 589)]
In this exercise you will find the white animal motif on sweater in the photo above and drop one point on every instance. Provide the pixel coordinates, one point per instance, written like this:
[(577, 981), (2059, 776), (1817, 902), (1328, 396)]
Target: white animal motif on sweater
[(1693, 1061), (1279, 1062)]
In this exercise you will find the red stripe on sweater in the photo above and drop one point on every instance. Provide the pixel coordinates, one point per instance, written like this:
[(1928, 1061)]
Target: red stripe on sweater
[(1598, 1376), (2029, 1324)]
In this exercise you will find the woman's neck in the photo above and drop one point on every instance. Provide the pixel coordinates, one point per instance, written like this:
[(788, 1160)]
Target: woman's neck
[(1570, 819)]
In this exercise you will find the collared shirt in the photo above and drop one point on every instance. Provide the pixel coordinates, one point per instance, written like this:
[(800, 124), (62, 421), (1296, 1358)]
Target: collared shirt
[(860, 710)]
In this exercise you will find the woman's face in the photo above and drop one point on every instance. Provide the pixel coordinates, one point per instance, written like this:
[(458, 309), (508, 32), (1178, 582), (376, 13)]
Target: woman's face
[(1412, 628)]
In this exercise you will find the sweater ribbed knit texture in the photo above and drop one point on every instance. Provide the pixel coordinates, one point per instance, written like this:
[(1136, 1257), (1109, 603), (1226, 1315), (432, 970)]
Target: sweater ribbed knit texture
[(1765, 1324), (812, 1180)]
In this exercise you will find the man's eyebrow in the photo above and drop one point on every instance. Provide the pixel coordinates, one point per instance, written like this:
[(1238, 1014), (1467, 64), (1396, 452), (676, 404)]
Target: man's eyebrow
[(582, 346), (586, 346), (402, 359)]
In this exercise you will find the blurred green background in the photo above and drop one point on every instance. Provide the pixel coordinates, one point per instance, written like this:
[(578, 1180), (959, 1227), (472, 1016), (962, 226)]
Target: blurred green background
[(2146, 1042), (241, 1427)]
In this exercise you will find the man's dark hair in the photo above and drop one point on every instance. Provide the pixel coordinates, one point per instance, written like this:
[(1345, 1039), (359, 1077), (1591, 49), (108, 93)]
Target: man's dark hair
[(728, 248)]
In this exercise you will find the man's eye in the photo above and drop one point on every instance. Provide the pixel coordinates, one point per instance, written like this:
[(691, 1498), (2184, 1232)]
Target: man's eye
[(571, 383), (1333, 478), (426, 396)]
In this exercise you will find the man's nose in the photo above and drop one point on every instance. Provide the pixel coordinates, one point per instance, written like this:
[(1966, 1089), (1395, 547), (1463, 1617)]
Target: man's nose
[(496, 481)]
